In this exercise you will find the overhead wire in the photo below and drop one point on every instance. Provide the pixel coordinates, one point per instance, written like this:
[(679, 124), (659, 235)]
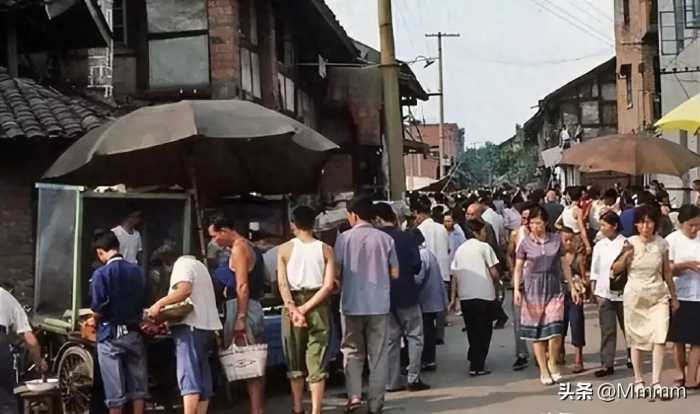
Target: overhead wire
[(576, 5), (600, 12), (577, 19), (541, 62), (573, 23)]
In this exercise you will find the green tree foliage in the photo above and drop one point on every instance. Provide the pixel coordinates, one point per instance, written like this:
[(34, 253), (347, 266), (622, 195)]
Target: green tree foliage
[(492, 164)]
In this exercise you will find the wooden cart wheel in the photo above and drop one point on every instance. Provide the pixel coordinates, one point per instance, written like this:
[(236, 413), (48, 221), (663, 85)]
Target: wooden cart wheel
[(75, 379)]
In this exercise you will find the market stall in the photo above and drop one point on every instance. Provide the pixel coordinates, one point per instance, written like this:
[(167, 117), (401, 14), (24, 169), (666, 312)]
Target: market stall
[(67, 217)]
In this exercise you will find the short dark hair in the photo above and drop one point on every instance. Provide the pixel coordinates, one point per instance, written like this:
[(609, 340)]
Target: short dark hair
[(594, 193), (538, 212), (385, 212), (222, 222), (303, 218), (475, 225), (418, 236), (362, 206), (612, 219), (574, 193), (165, 254), (647, 211), (610, 193), (105, 240), (422, 207), (688, 212), (567, 230)]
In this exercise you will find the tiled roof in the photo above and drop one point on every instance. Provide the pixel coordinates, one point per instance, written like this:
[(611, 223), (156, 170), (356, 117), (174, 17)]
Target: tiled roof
[(7, 4), (29, 109)]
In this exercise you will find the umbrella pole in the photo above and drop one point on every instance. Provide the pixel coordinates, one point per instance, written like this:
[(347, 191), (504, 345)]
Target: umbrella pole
[(198, 211)]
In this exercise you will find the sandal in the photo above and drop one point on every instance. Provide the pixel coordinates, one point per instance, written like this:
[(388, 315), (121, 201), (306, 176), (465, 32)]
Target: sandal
[(680, 381), (578, 368), (554, 372), (658, 390), (638, 388), (546, 380), (352, 405)]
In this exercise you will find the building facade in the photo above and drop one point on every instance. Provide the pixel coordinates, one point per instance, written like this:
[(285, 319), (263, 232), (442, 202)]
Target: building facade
[(582, 109), (679, 52), (637, 51), (422, 169)]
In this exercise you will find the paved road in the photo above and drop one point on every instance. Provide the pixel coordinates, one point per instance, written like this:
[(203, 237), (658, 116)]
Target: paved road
[(504, 391)]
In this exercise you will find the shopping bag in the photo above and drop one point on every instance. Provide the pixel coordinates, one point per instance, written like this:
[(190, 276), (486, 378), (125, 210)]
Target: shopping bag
[(244, 362)]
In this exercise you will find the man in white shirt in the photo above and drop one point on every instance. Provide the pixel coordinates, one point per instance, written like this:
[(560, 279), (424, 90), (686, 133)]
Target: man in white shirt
[(13, 320), (437, 240), (475, 272), (610, 307), (194, 335), (130, 245), (490, 216)]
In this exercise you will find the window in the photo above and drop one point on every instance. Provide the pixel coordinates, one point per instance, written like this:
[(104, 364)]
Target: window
[(250, 53), (249, 21), (626, 73), (250, 73), (287, 92), (626, 11), (692, 14), (178, 44), (119, 21)]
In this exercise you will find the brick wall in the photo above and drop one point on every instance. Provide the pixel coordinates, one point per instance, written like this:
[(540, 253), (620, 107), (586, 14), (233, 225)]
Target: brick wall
[(640, 55), (224, 52), (21, 165)]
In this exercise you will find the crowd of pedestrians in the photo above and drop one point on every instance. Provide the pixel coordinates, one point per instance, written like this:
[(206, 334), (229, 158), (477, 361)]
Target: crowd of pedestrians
[(400, 276)]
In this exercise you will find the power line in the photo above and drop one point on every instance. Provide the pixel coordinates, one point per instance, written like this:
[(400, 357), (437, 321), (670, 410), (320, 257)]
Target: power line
[(586, 11), (577, 19), (573, 23), (597, 10), (541, 62)]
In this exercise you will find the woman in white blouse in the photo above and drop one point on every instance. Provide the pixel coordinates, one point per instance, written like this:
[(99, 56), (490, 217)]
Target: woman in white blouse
[(610, 308), (684, 255)]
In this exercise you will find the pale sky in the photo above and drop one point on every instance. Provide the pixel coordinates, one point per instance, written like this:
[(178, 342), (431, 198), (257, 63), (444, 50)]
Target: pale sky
[(511, 53)]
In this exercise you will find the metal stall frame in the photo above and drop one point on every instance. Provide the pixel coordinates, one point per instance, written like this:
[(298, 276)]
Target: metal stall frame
[(60, 326)]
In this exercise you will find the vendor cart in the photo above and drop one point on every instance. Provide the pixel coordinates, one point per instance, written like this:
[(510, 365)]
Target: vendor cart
[(66, 220)]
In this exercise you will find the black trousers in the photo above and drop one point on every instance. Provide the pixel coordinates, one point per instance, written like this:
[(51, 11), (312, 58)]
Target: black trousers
[(429, 337), (478, 319)]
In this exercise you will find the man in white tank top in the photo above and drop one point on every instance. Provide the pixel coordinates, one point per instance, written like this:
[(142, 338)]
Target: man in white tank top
[(306, 279)]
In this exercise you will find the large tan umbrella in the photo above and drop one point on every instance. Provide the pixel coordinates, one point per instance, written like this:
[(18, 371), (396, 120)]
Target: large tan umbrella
[(632, 154), (212, 146)]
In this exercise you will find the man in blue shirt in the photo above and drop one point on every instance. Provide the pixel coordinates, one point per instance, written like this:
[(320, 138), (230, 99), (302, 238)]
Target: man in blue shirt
[(118, 300), (367, 261), (406, 319)]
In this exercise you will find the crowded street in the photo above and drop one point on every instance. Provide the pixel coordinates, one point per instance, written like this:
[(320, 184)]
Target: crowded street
[(349, 206), (505, 391)]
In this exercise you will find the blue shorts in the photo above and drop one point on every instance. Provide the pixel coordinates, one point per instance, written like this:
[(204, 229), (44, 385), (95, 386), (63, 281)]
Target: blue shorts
[(123, 368), (193, 348)]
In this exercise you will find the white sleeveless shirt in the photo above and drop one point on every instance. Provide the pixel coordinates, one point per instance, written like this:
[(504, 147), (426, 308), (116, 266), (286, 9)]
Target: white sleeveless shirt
[(568, 219), (306, 266)]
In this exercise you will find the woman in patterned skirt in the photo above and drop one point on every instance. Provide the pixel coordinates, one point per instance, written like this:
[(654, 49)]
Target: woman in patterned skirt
[(540, 263)]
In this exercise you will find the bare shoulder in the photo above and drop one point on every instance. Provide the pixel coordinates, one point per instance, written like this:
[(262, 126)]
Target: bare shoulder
[(285, 249), (327, 249)]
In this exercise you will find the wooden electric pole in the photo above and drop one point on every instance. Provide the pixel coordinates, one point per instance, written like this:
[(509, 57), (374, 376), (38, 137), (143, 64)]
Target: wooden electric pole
[(392, 111), (441, 135)]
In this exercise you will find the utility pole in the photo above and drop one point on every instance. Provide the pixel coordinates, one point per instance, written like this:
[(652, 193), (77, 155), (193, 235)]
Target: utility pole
[(441, 135), (393, 130)]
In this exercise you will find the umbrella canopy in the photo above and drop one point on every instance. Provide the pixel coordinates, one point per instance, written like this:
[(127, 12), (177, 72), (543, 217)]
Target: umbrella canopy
[(686, 116), (632, 154), (227, 146)]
